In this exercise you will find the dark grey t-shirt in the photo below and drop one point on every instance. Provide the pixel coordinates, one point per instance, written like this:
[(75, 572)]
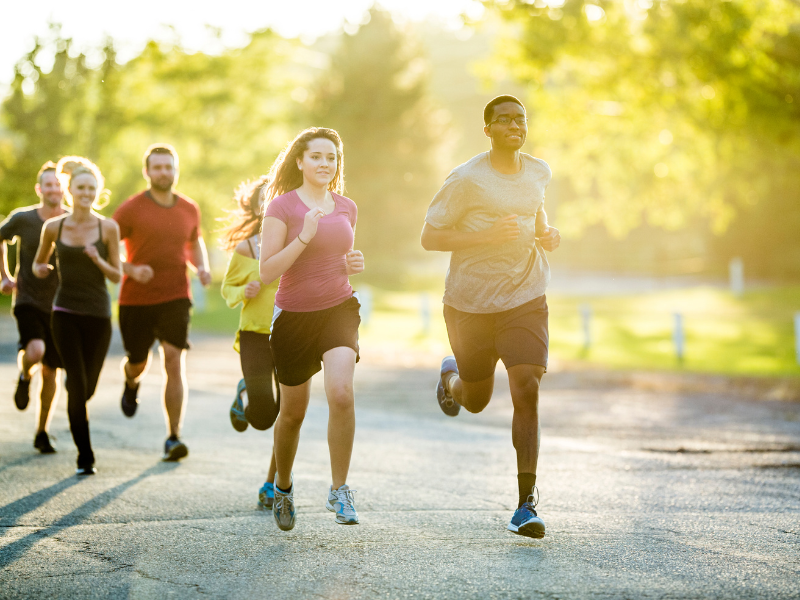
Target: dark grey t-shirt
[(494, 278), (25, 224)]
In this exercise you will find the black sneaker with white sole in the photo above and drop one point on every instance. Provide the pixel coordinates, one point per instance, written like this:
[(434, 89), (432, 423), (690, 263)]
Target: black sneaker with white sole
[(22, 393)]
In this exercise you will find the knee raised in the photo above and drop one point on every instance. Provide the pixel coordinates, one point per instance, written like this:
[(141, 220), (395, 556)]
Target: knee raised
[(34, 351)]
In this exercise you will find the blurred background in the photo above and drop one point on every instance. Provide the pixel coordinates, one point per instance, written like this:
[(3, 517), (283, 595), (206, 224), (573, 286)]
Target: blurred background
[(672, 128)]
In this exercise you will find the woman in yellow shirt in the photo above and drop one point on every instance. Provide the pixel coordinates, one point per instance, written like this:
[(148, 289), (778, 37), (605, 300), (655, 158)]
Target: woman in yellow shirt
[(242, 284)]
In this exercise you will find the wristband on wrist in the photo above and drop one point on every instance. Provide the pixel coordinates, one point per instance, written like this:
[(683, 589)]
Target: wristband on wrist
[(301, 240)]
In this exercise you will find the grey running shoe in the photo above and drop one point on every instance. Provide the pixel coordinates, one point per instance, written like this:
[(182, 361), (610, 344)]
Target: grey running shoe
[(43, 444), (174, 449), (341, 502), (447, 403), (283, 509)]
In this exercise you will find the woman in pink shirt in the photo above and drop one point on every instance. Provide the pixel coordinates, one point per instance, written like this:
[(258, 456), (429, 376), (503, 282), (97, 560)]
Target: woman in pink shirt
[(307, 240)]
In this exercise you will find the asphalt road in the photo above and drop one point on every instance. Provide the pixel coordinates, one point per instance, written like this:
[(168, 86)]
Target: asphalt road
[(645, 495)]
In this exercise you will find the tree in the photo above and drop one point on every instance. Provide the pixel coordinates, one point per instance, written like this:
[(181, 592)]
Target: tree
[(678, 115), (375, 95)]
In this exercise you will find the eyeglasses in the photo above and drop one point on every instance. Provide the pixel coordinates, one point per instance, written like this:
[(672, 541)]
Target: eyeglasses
[(521, 121)]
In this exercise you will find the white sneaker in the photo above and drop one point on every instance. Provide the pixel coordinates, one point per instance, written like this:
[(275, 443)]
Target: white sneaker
[(341, 502)]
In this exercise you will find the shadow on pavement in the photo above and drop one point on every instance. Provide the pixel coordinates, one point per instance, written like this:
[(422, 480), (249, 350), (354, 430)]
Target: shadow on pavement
[(15, 550), (21, 461)]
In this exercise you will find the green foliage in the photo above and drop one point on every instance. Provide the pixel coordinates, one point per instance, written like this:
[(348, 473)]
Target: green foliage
[(681, 115), (227, 116), (374, 94)]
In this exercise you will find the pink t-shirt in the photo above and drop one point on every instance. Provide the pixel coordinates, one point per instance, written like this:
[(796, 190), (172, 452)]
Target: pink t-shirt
[(318, 278)]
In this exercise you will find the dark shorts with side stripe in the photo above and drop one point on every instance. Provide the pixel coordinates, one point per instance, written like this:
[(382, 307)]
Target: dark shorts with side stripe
[(517, 337), (34, 324), (299, 339)]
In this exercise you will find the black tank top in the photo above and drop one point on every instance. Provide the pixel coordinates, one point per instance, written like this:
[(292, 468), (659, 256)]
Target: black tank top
[(82, 285)]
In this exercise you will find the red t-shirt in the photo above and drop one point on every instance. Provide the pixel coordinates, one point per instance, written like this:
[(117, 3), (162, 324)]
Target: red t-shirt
[(318, 278), (157, 236)]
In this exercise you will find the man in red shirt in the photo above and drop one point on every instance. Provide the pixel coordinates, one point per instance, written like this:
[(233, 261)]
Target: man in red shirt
[(161, 231)]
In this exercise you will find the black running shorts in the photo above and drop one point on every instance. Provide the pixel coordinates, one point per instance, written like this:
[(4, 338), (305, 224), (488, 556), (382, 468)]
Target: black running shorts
[(299, 339), (140, 326), (517, 337), (34, 324)]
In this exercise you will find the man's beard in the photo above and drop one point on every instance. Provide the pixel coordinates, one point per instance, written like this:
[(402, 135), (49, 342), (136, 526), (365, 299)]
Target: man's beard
[(160, 186), (52, 202)]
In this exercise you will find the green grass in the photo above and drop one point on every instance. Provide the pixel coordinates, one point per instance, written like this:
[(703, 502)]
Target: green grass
[(751, 335)]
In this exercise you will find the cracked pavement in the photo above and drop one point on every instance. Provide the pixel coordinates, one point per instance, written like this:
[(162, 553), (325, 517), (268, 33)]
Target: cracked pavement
[(645, 494)]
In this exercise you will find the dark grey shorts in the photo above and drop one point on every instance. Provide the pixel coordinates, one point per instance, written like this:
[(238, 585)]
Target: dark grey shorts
[(517, 337)]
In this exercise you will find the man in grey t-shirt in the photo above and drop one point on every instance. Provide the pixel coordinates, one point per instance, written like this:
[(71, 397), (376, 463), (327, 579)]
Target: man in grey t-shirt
[(33, 299), (490, 214)]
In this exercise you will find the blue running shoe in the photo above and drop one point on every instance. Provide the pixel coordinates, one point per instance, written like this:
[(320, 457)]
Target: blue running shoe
[(447, 403), (283, 509), (525, 520), (341, 502), (266, 496), (238, 420)]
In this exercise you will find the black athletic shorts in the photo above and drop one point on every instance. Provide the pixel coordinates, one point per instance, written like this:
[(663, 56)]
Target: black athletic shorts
[(34, 324), (299, 339), (140, 326), (517, 337)]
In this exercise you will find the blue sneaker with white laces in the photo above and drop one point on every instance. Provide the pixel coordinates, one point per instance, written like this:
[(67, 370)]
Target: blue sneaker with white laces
[(525, 520), (283, 510), (341, 502), (238, 420), (266, 495)]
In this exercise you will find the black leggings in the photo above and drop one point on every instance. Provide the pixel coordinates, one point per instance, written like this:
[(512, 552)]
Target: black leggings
[(82, 342), (259, 371)]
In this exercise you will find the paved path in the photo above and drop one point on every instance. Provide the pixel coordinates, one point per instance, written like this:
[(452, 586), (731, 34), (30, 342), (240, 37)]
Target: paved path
[(645, 495)]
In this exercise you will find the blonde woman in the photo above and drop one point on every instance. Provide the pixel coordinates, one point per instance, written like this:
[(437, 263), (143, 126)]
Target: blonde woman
[(87, 253)]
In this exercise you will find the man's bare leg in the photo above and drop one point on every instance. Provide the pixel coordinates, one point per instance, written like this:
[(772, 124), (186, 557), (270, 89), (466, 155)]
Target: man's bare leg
[(175, 391), (48, 397)]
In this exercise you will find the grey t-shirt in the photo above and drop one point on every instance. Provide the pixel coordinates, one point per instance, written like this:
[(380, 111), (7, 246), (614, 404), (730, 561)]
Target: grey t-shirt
[(494, 278), (25, 224)]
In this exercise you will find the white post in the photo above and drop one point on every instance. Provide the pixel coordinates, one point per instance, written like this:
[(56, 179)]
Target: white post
[(677, 336), (586, 318), (736, 272), (425, 312), (797, 336), (365, 300)]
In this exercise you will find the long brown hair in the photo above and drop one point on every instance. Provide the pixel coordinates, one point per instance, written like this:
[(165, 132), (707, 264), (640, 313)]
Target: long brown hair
[(284, 172), (245, 220)]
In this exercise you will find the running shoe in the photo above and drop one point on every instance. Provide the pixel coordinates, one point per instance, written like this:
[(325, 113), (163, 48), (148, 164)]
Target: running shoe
[(22, 394), (129, 401), (266, 495), (447, 403), (283, 509), (238, 420), (42, 442), (174, 449), (525, 520), (84, 471), (341, 502)]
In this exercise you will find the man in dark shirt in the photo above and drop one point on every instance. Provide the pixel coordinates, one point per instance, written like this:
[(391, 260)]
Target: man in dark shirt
[(33, 299)]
